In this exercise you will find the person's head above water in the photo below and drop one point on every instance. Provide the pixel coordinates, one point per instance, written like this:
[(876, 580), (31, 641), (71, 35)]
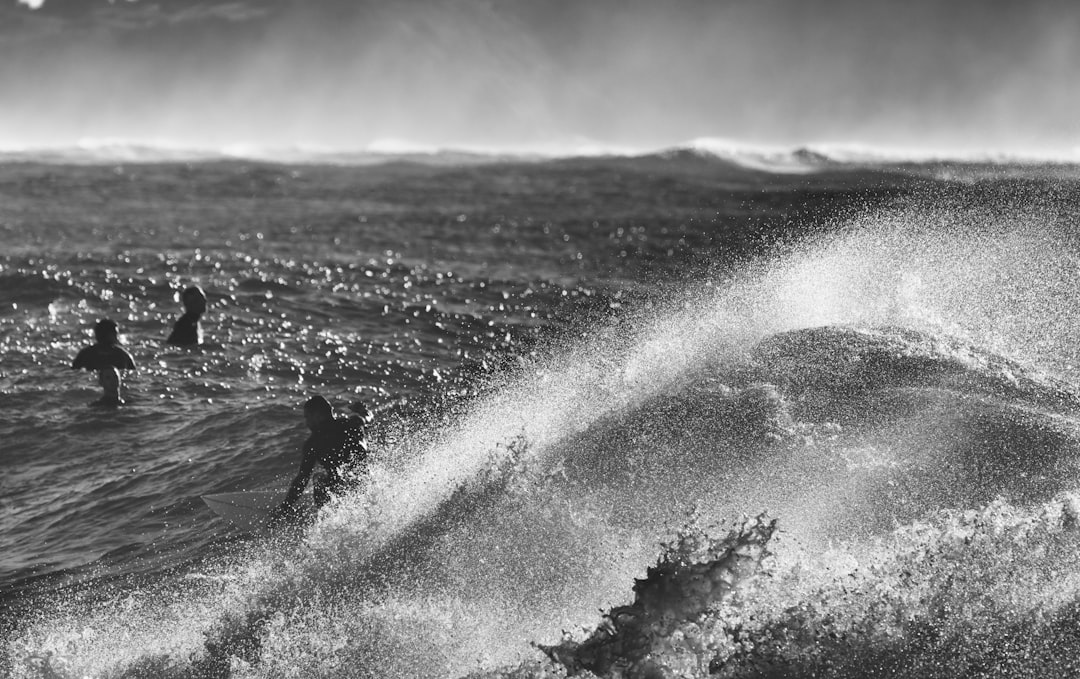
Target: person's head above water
[(193, 299), (317, 412), (107, 332)]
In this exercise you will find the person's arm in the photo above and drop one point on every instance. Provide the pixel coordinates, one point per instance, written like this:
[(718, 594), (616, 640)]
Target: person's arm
[(81, 360), (296, 488), (299, 483)]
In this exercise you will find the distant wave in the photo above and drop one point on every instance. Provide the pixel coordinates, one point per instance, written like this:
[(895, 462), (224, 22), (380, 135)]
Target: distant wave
[(758, 157), (110, 152), (811, 157)]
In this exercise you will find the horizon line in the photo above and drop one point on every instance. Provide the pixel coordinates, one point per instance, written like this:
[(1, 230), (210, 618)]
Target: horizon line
[(775, 156)]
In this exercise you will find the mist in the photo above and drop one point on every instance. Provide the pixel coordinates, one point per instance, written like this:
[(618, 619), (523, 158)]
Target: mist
[(554, 74)]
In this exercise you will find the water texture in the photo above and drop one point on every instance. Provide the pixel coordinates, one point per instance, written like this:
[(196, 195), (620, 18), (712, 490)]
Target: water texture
[(586, 372)]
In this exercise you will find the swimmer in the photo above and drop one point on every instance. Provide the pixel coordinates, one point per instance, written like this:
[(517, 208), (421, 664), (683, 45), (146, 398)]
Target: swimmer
[(339, 445), (106, 350), (186, 331), (108, 358)]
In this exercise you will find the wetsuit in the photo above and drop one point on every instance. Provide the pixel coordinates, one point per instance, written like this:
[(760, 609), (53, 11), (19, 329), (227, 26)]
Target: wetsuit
[(341, 448), (98, 356), (186, 331)]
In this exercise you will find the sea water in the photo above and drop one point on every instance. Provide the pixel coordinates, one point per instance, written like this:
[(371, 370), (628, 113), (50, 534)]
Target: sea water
[(587, 373)]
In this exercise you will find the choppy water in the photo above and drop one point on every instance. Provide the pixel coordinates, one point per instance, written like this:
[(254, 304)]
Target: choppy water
[(572, 358)]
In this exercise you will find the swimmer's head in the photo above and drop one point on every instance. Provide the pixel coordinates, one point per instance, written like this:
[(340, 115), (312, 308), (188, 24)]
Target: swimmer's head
[(317, 411), (194, 299), (109, 379), (107, 332)]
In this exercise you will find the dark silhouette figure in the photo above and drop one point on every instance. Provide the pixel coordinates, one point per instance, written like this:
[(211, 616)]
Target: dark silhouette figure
[(339, 445), (186, 331), (107, 358)]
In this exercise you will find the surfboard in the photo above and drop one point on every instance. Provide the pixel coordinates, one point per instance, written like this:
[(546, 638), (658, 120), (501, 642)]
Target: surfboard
[(245, 509)]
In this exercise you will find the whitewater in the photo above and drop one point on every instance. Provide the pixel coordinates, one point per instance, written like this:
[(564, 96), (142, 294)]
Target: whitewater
[(667, 415)]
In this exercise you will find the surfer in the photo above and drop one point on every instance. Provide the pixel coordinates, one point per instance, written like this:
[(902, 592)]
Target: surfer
[(105, 351), (338, 444), (186, 331), (108, 358)]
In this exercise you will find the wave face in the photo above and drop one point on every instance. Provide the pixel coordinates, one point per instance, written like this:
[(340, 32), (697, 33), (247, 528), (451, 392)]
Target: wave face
[(587, 371)]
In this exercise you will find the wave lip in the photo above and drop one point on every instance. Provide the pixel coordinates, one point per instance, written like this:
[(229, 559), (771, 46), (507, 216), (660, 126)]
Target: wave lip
[(850, 359)]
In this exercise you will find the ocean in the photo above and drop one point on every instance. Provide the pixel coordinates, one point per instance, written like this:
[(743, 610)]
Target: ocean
[(680, 414)]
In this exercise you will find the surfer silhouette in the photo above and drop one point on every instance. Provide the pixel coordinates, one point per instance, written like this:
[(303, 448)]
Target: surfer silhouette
[(186, 331), (105, 350), (339, 445), (107, 357)]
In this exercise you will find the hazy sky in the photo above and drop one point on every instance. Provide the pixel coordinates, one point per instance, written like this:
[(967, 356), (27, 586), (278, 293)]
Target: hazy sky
[(929, 74)]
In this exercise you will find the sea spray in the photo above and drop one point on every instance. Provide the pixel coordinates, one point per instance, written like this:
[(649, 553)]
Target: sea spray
[(978, 592), (376, 599), (649, 637), (1000, 273), (993, 591)]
